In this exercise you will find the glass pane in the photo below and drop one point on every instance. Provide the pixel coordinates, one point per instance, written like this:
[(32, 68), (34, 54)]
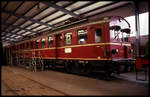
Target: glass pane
[(116, 35), (50, 41), (31, 44), (27, 44), (82, 36), (60, 40), (23, 46), (43, 43), (98, 35), (125, 36), (37, 43), (68, 38)]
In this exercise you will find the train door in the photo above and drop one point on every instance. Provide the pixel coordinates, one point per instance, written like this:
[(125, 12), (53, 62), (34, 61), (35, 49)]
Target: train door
[(99, 38), (125, 51), (58, 45)]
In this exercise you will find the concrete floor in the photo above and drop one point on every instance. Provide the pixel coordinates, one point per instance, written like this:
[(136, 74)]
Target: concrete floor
[(18, 85), (81, 85)]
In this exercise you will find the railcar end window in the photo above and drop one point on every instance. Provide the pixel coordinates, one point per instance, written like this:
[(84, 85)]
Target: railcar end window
[(50, 41), (68, 38), (82, 36), (125, 36), (43, 43), (37, 43), (98, 35)]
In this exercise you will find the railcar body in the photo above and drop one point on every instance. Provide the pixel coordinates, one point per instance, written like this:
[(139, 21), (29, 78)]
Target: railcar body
[(103, 45)]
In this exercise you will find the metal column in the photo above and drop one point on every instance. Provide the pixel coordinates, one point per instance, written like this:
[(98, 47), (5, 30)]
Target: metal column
[(137, 24)]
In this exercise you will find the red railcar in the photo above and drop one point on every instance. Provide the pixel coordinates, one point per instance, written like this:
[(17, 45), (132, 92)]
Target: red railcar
[(103, 44)]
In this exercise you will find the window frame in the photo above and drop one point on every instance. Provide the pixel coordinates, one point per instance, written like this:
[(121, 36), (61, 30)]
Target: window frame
[(66, 44), (49, 41), (22, 45), (59, 40), (37, 43), (31, 44), (27, 44), (100, 35), (78, 38), (43, 42)]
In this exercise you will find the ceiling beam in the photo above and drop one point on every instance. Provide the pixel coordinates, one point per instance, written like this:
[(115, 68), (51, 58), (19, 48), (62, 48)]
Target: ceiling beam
[(6, 4), (10, 41), (100, 7), (61, 9), (9, 36), (26, 21), (26, 18), (49, 15), (15, 26), (83, 6), (22, 14), (10, 33), (14, 10), (111, 9), (92, 2)]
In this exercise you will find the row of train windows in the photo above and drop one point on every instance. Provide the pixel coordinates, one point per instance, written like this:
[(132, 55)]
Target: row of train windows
[(82, 38), (43, 42), (50, 43)]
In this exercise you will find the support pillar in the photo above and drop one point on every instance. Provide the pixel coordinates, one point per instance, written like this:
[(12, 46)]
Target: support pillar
[(137, 25)]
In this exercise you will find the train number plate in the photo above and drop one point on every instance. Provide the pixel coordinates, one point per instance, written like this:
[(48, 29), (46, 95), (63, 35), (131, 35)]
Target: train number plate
[(68, 50)]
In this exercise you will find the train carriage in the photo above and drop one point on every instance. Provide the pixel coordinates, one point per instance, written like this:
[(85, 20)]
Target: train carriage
[(103, 45)]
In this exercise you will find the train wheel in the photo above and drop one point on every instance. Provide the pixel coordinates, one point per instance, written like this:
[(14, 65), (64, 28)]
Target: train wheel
[(108, 71), (88, 69), (52, 66), (78, 68), (68, 67)]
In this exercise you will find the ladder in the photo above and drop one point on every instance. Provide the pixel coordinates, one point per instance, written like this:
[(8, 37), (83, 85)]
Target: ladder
[(36, 62)]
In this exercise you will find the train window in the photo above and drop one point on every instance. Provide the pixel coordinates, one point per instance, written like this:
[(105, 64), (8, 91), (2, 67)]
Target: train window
[(68, 38), (37, 43), (60, 40), (98, 35), (43, 43), (115, 33), (125, 36), (50, 41), (22, 45), (82, 36), (27, 45), (31, 44)]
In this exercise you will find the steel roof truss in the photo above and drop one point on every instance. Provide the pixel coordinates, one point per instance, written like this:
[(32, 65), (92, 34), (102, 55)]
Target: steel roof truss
[(26, 18), (61, 9)]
